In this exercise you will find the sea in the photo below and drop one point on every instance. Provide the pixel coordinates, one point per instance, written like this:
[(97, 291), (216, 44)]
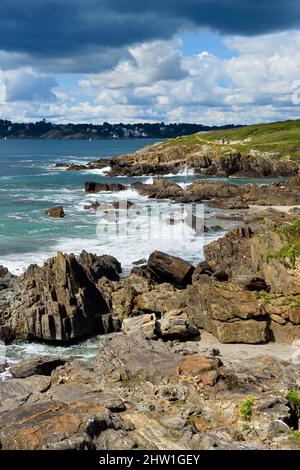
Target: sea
[(30, 183)]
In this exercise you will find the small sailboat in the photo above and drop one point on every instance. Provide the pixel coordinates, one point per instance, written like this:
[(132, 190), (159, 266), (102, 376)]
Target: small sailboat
[(5, 138), (90, 139)]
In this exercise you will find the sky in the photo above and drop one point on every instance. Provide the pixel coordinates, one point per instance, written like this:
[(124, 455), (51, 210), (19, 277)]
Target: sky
[(212, 62)]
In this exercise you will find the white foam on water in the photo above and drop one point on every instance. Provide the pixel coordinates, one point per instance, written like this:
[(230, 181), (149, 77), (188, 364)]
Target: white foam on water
[(18, 350), (6, 178), (98, 171), (16, 217), (17, 263), (186, 171), (149, 180)]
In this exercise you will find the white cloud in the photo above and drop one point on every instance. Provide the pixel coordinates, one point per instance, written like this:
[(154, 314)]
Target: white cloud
[(155, 81), (25, 84)]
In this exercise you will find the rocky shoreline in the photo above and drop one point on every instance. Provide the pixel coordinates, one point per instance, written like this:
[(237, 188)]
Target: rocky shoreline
[(204, 159), (152, 386)]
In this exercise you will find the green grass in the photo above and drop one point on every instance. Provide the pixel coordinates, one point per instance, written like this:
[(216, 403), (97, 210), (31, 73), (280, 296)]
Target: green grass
[(292, 230), (293, 397), (246, 408), (282, 138), (293, 301), (295, 436), (289, 253)]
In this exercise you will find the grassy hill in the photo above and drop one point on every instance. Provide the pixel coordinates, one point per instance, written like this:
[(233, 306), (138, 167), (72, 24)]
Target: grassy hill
[(280, 139)]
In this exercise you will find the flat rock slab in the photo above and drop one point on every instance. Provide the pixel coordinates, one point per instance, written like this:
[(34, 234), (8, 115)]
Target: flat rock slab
[(51, 425), (36, 366)]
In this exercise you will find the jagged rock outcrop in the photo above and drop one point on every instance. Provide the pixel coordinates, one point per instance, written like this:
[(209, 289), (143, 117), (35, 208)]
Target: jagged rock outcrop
[(260, 258), (60, 301), (100, 266), (223, 195), (232, 252)]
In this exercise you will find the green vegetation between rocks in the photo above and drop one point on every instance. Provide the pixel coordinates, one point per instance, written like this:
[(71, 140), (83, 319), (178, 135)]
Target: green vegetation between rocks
[(293, 397), (289, 253), (295, 436), (265, 296), (293, 301), (246, 408)]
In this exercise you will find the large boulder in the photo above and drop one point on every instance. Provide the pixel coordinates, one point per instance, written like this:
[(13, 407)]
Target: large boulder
[(99, 266), (159, 189), (232, 253), (172, 325), (229, 312), (166, 268)]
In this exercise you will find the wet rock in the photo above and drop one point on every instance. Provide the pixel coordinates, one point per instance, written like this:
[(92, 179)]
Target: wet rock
[(57, 212), (76, 167), (159, 189), (139, 262), (93, 187), (94, 206), (100, 266), (6, 334)]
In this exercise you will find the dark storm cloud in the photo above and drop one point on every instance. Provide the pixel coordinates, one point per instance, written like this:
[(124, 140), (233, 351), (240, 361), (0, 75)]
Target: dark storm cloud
[(57, 30)]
